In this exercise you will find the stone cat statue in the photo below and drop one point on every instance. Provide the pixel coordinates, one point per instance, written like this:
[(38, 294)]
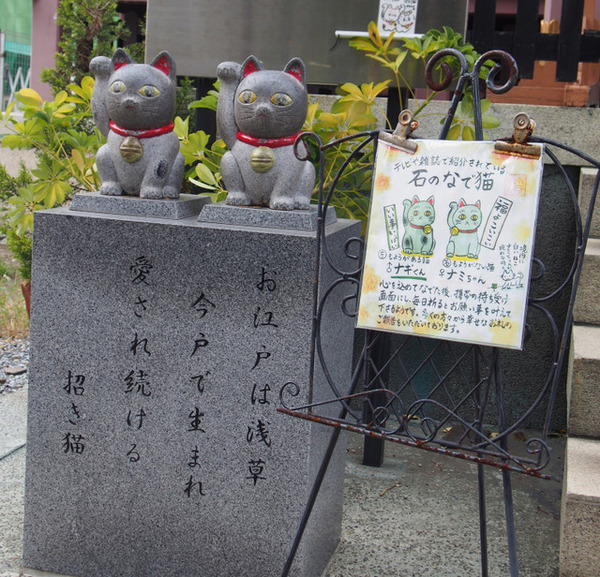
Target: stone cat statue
[(464, 220), (417, 218), (259, 114), (133, 106)]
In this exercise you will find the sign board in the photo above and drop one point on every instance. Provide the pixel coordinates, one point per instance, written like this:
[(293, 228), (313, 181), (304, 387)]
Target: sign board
[(450, 242)]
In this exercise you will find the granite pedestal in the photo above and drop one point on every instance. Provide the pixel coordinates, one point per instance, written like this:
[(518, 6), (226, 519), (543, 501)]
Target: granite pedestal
[(158, 350)]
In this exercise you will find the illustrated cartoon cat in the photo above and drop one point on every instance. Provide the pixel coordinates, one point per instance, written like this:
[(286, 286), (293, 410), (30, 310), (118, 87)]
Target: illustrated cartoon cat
[(511, 279), (390, 15), (259, 114), (133, 106), (417, 218), (464, 220), (407, 20)]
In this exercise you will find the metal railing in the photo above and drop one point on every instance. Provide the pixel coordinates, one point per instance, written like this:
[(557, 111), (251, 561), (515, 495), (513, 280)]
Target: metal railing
[(15, 68), (442, 396)]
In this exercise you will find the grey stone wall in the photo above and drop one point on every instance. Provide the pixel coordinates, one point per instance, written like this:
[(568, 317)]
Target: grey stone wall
[(158, 350)]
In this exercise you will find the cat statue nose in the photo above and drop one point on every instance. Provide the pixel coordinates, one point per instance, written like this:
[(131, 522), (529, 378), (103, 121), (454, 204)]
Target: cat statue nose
[(262, 110)]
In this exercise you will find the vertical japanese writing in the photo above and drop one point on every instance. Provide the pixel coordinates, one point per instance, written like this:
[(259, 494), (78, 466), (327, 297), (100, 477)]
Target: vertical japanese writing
[(264, 323), (73, 440), (137, 381), (204, 307)]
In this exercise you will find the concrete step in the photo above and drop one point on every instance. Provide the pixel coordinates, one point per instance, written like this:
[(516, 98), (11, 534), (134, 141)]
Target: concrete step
[(580, 514), (586, 184), (587, 303), (583, 393)]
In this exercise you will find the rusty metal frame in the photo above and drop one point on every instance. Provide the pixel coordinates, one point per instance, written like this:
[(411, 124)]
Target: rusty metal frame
[(465, 383)]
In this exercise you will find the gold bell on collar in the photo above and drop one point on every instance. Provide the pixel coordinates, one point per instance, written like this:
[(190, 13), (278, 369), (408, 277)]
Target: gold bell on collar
[(131, 149), (262, 159)]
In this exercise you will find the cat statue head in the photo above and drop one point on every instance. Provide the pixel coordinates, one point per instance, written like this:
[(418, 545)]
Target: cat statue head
[(466, 217), (141, 96), (271, 103)]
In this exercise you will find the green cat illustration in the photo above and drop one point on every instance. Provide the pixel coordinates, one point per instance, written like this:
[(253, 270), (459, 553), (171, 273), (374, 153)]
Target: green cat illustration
[(464, 220), (417, 218)]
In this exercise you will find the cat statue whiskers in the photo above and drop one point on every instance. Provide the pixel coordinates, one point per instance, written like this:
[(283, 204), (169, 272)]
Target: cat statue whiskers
[(133, 106), (259, 115)]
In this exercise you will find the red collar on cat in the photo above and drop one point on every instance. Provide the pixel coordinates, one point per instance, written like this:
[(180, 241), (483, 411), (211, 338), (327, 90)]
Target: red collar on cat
[(148, 133), (268, 142)]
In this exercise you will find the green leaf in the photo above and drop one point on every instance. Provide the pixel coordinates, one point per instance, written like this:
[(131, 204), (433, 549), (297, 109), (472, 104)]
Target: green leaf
[(468, 133), (489, 121), (78, 160), (209, 101), (363, 44), (200, 184), (454, 132), (182, 127), (13, 141), (205, 175), (352, 89), (378, 58), (29, 97)]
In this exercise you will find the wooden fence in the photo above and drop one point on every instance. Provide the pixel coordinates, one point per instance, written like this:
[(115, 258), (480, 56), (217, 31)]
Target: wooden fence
[(527, 44)]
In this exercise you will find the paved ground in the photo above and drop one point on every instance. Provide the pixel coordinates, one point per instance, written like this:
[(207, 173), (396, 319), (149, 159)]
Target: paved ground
[(414, 517)]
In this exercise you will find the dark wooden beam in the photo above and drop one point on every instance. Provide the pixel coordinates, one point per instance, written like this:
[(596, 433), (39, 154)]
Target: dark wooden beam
[(526, 29), (569, 42), (484, 23)]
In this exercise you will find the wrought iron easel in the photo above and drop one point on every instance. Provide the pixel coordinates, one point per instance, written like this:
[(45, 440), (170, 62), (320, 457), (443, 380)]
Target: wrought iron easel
[(461, 410)]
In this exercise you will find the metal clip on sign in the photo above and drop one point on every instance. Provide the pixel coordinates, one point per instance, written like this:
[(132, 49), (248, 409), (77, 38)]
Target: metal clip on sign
[(399, 138), (523, 129)]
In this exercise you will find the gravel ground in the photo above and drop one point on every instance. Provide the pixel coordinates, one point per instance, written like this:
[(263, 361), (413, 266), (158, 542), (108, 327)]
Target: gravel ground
[(14, 363)]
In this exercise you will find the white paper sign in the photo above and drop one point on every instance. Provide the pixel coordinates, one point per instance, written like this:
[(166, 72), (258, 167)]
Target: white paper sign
[(450, 242), (398, 16)]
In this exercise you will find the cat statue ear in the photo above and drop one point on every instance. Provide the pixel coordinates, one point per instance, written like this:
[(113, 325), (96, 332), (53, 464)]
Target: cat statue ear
[(430, 200), (165, 64), (251, 65), (296, 68), (121, 58)]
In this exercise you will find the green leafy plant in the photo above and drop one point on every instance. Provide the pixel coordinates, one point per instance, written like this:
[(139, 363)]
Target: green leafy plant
[(202, 158), (392, 53), (20, 245), (88, 28), (65, 141)]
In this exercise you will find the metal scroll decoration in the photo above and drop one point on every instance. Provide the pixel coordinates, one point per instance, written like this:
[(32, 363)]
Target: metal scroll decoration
[(453, 398)]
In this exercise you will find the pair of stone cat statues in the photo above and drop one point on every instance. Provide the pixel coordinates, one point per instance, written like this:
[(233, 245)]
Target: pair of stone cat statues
[(260, 113)]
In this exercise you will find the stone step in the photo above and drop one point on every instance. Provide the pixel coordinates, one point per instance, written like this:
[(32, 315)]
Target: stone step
[(586, 184), (587, 303), (580, 514), (583, 391)]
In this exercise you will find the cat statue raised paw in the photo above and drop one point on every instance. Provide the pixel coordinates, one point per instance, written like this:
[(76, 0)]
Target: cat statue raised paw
[(133, 106), (259, 115)]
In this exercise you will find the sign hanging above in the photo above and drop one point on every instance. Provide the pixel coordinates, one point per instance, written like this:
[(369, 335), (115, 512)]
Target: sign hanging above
[(398, 16)]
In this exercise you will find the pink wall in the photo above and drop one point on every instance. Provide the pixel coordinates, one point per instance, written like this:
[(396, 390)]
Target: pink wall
[(44, 43)]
